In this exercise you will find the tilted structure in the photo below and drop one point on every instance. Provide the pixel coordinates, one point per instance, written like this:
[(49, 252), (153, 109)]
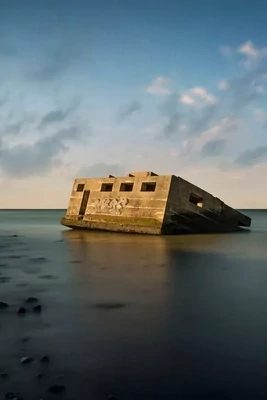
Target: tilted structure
[(144, 202)]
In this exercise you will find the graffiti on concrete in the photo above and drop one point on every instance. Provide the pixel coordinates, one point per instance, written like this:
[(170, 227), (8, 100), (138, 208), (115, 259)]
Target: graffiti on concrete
[(108, 205)]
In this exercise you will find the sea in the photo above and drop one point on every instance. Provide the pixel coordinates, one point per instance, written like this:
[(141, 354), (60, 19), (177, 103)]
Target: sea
[(131, 317)]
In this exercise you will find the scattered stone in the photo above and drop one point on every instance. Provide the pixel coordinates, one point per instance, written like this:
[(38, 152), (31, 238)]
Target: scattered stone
[(12, 396), (26, 339), (4, 375), (3, 305), (21, 310), (39, 376), (26, 360), (45, 359), (31, 300), (37, 309), (48, 276), (57, 389), (4, 279)]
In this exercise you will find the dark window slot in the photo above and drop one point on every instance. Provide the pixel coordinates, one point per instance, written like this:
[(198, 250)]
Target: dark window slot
[(148, 187), (195, 199), (106, 187), (80, 187), (126, 187)]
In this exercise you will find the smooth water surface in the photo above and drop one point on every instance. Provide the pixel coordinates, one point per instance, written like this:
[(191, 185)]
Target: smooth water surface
[(139, 317)]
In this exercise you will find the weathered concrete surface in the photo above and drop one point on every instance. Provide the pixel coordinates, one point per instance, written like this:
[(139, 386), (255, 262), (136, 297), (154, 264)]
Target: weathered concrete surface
[(144, 202)]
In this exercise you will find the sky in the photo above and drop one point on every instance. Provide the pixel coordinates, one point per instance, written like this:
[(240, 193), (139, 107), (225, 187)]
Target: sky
[(91, 88)]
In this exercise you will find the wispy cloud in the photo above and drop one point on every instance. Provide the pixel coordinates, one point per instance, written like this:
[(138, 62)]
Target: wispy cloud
[(159, 87), (101, 169), (213, 147), (129, 110), (34, 159), (223, 85), (251, 157), (197, 96), (56, 62), (252, 54)]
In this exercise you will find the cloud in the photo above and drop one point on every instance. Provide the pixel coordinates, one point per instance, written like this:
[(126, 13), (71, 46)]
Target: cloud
[(129, 110), (252, 54), (11, 129), (251, 157), (223, 85), (100, 170), (197, 96), (56, 62), (28, 160), (213, 147), (159, 87), (53, 117)]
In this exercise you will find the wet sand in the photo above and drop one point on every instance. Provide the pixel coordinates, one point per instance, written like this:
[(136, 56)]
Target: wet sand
[(134, 317)]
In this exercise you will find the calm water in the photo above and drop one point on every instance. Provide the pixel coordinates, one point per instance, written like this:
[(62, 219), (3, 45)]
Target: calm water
[(139, 317)]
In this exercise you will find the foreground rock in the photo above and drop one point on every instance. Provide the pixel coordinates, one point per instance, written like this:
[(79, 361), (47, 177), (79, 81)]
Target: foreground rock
[(57, 389), (21, 310), (26, 360), (3, 305)]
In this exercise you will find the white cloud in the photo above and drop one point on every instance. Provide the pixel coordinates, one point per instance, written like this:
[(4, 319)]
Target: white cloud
[(252, 54), (220, 130), (223, 85), (197, 96), (159, 87)]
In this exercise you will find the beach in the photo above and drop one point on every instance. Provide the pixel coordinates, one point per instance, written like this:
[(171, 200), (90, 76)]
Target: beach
[(131, 316)]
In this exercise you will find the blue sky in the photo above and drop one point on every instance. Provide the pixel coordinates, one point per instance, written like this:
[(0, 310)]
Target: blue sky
[(92, 88)]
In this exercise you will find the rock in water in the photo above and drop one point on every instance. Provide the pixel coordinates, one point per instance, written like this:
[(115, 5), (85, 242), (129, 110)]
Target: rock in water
[(37, 309), (3, 305), (45, 359), (56, 389), (21, 310), (31, 300), (26, 360)]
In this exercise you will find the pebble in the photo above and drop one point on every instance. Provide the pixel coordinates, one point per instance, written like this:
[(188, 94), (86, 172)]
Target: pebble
[(21, 310), (45, 359), (26, 360), (13, 396), (31, 300), (56, 389), (3, 305), (37, 309)]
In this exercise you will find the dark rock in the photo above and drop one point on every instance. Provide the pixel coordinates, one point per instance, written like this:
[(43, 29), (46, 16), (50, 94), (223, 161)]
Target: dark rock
[(39, 376), (31, 300), (37, 309), (111, 397), (26, 360), (57, 389), (4, 279), (3, 305), (26, 339), (60, 377), (21, 310), (45, 359), (12, 396), (4, 375), (14, 235)]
